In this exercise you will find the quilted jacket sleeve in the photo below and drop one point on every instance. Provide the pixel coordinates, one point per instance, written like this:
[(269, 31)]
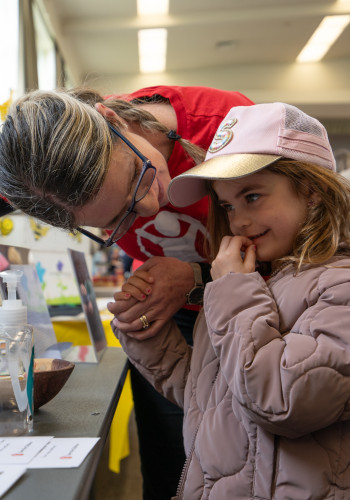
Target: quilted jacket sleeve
[(292, 383), (164, 360)]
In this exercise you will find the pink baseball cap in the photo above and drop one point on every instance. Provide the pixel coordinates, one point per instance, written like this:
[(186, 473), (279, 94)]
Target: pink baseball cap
[(249, 139)]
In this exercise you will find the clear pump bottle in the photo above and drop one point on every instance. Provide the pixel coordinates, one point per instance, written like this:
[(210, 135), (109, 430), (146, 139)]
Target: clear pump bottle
[(16, 362)]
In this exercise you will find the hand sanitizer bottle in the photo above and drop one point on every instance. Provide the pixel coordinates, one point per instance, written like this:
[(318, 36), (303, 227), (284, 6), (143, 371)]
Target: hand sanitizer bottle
[(16, 362)]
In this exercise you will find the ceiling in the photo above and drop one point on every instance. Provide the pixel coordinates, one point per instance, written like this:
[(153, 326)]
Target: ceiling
[(245, 45)]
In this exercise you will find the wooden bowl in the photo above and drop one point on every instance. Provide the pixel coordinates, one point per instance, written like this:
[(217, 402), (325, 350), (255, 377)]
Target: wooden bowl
[(50, 375)]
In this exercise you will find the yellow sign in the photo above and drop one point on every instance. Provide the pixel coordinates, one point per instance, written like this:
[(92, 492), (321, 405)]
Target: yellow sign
[(4, 107)]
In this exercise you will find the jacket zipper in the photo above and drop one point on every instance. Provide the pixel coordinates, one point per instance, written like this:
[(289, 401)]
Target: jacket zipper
[(181, 484), (275, 465)]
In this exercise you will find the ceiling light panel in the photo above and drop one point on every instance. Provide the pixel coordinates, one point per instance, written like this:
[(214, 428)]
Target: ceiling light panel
[(323, 38), (152, 50), (152, 7)]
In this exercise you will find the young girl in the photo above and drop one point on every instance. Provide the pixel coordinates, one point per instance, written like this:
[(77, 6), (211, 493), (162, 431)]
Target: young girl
[(266, 387)]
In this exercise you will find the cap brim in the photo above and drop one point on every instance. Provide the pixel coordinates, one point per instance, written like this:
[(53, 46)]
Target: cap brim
[(189, 187)]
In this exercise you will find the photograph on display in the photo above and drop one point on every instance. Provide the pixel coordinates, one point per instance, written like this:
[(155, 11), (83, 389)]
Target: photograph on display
[(88, 301)]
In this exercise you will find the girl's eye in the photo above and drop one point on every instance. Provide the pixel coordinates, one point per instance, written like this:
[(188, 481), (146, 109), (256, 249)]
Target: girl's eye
[(252, 197), (227, 207)]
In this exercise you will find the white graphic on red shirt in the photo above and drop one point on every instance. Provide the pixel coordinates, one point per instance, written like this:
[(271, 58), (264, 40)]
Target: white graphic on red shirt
[(172, 234)]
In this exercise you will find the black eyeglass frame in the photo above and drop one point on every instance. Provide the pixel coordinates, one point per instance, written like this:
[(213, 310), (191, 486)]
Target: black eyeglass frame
[(146, 166)]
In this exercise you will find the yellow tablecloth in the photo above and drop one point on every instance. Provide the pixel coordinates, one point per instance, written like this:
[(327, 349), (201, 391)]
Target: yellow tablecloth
[(77, 333)]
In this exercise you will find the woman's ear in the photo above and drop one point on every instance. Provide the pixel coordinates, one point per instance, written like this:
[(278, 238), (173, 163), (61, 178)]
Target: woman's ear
[(106, 112), (110, 115)]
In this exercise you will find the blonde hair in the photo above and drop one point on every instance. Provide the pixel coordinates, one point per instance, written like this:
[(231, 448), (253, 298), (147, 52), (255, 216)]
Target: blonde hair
[(326, 229), (55, 149)]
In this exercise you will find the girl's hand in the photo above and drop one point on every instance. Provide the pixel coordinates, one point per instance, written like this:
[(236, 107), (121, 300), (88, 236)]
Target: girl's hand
[(137, 286), (229, 258)]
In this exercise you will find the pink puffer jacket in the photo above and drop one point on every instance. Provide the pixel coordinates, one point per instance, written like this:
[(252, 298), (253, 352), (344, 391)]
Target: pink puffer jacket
[(266, 388)]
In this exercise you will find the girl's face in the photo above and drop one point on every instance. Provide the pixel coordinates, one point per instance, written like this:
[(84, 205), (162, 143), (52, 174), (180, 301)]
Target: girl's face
[(264, 208), (115, 195)]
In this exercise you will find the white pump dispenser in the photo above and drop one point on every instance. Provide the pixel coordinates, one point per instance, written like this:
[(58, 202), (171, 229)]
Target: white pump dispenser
[(17, 356), (12, 312)]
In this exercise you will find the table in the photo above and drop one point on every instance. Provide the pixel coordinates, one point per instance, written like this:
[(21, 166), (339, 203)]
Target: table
[(75, 330), (84, 408)]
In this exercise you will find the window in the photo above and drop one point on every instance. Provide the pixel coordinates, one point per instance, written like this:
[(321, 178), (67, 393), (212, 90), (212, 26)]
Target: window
[(9, 58), (46, 53)]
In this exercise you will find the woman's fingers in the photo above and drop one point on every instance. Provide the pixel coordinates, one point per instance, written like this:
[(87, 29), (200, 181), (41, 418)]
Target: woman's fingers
[(137, 330), (147, 333)]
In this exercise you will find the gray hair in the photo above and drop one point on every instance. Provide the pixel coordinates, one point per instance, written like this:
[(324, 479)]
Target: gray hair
[(55, 149), (54, 154)]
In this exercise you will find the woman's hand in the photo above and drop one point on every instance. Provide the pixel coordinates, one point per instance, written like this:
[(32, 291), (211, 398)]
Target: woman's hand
[(160, 286), (229, 258)]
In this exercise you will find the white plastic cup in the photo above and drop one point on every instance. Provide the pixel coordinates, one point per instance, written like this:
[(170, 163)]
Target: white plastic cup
[(16, 380)]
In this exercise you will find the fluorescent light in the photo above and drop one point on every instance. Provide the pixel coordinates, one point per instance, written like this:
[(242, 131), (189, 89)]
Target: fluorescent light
[(323, 38), (152, 7), (152, 50), (152, 42)]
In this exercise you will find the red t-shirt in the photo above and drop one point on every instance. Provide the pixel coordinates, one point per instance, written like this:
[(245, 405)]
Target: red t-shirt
[(179, 232)]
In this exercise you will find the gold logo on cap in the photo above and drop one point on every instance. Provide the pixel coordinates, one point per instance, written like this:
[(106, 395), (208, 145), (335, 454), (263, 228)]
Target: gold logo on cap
[(223, 136)]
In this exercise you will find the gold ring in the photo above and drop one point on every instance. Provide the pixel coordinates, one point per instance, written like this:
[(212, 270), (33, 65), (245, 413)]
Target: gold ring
[(144, 321)]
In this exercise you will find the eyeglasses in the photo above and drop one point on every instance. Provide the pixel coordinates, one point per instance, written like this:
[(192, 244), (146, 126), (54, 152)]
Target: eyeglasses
[(143, 185)]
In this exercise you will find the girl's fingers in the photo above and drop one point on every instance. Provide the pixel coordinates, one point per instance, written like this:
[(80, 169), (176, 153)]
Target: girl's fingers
[(236, 254), (243, 242), (250, 258), (234, 242), (138, 290), (137, 287), (121, 296)]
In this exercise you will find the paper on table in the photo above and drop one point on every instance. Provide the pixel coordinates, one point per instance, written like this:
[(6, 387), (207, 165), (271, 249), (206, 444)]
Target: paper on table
[(9, 475), (20, 450), (63, 453), (45, 452)]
